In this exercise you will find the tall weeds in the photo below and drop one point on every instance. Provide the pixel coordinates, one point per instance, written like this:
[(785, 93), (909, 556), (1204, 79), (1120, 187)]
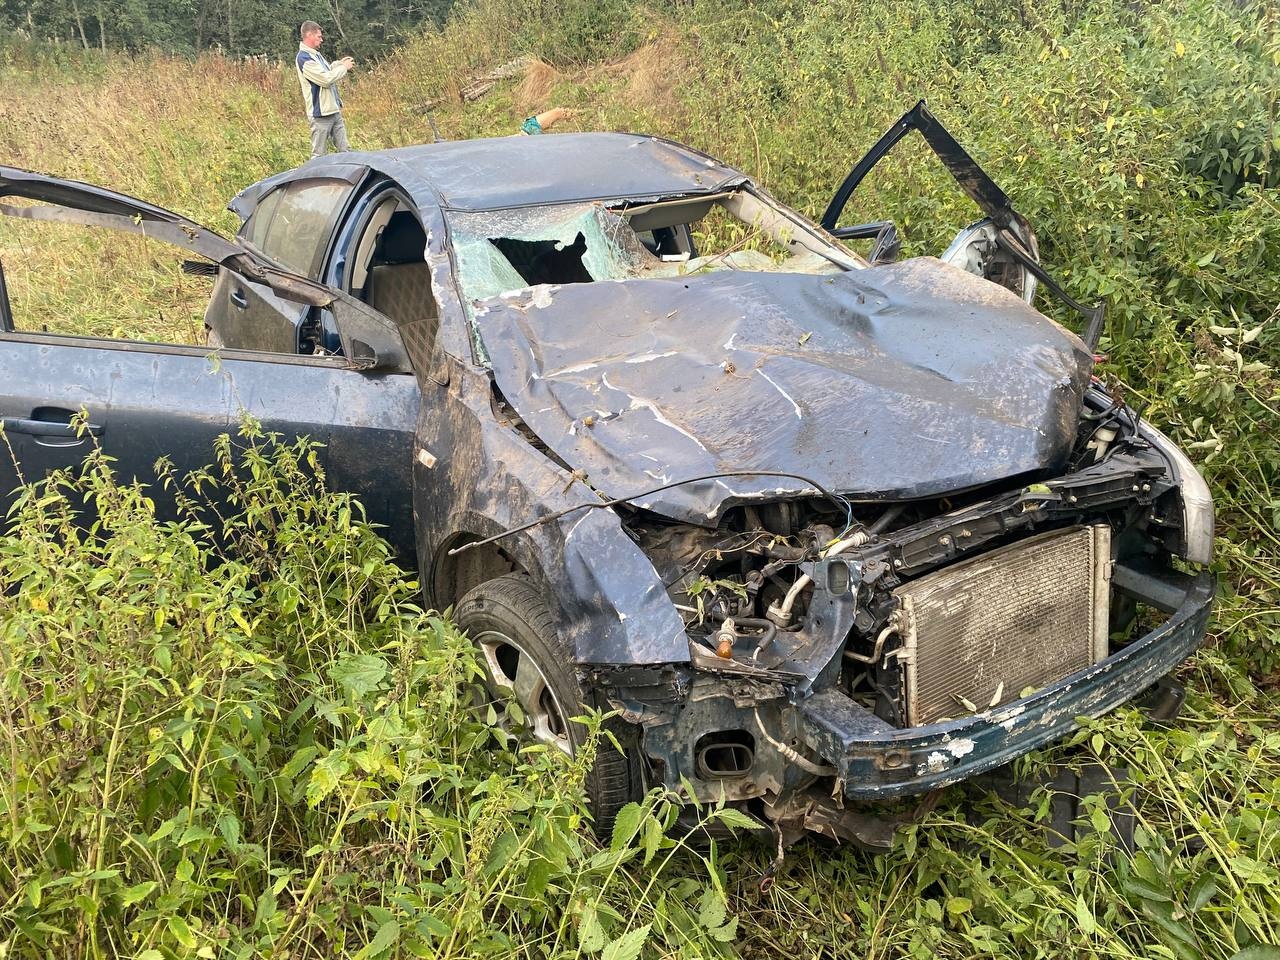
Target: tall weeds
[(238, 735)]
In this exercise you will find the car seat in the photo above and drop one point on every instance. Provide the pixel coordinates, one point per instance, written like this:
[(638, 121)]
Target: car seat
[(399, 283)]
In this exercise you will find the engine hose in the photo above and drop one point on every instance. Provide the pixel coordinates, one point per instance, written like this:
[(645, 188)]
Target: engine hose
[(894, 626), (801, 761), (857, 539), (770, 633), (890, 514)]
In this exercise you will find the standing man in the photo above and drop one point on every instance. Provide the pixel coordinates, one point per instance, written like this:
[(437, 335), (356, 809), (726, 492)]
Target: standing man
[(319, 83)]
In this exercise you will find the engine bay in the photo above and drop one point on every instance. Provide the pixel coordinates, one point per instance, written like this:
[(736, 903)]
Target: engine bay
[(769, 590)]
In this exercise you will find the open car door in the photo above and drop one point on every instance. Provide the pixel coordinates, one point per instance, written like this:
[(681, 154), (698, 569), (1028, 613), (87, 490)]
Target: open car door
[(143, 401), (1001, 247)]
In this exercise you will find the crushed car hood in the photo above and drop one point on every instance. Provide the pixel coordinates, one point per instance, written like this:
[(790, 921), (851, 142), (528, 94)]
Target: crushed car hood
[(908, 380)]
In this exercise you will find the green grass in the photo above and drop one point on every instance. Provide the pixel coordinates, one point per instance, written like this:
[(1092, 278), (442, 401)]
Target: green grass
[(1139, 139)]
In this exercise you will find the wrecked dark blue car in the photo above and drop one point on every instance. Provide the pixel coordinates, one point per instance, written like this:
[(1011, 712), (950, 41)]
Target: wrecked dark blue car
[(821, 529)]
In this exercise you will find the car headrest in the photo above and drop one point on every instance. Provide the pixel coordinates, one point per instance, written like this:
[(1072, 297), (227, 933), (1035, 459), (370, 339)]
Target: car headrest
[(402, 240)]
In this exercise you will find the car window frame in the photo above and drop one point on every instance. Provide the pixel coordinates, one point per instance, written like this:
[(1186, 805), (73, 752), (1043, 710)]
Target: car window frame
[(371, 341), (280, 196), (88, 340), (267, 210), (248, 202)]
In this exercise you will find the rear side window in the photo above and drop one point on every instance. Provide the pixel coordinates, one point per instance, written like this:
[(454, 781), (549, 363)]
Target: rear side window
[(293, 224)]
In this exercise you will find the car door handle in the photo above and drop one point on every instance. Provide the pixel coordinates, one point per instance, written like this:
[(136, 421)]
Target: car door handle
[(49, 428), (239, 299)]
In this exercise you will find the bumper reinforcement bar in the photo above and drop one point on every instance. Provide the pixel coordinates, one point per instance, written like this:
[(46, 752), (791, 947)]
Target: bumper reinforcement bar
[(878, 761)]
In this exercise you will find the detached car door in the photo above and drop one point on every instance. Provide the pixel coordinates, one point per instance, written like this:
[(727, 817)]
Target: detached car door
[(143, 401)]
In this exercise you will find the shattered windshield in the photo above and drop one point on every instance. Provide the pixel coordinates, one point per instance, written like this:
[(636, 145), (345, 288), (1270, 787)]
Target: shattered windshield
[(502, 251), (513, 249)]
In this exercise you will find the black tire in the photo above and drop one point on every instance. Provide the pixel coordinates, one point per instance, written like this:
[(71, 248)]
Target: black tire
[(512, 606)]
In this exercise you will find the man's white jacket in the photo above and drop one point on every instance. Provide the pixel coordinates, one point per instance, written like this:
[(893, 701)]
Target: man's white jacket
[(319, 82)]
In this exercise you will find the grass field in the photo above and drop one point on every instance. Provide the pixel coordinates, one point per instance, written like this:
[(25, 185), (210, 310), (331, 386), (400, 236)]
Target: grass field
[(189, 780)]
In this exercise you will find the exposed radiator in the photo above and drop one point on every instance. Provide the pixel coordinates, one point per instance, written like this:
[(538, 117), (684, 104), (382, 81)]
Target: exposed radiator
[(980, 633)]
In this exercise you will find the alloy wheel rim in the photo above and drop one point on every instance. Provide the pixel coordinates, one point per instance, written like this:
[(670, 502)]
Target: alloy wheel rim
[(512, 674)]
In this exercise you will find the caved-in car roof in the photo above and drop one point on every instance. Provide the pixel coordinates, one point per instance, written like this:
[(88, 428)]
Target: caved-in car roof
[(522, 171)]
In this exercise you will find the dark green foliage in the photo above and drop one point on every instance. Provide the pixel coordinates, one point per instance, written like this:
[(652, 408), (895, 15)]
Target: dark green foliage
[(265, 747), (1140, 139), (361, 28), (574, 32)]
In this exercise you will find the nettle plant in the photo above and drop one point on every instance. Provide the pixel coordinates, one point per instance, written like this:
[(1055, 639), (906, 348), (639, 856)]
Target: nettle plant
[(234, 732)]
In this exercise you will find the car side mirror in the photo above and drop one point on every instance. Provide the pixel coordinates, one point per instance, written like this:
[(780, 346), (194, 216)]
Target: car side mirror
[(977, 250), (370, 341)]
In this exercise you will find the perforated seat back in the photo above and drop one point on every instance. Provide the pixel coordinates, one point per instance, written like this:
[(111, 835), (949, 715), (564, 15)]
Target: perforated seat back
[(402, 291), (399, 283)]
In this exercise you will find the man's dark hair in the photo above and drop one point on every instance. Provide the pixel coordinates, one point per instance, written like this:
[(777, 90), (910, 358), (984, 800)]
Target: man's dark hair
[(308, 26)]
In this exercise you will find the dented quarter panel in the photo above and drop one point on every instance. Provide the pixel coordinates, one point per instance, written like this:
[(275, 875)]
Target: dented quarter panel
[(608, 599), (474, 477)]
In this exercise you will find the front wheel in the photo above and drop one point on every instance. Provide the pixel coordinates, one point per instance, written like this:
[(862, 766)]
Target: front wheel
[(525, 659)]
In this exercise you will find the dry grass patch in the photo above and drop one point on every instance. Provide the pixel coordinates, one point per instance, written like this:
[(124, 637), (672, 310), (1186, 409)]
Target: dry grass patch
[(651, 75), (533, 89)]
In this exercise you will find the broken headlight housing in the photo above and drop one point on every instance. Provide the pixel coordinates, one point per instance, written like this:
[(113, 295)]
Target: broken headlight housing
[(1197, 502)]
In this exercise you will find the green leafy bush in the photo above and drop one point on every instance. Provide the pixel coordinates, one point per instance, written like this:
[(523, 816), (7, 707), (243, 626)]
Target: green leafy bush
[(574, 32), (238, 735)]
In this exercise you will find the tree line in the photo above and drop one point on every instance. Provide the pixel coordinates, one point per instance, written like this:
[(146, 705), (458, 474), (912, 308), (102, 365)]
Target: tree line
[(360, 28)]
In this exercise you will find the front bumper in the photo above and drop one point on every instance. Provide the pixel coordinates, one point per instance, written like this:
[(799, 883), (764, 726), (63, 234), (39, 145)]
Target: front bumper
[(877, 761)]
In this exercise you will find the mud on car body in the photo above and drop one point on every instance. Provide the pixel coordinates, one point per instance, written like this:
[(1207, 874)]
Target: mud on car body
[(821, 529)]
